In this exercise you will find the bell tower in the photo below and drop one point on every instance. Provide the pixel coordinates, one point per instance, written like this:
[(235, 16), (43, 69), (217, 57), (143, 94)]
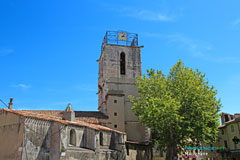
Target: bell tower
[(119, 66)]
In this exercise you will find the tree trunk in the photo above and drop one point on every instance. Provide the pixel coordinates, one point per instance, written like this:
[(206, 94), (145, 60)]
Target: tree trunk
[(171, 152), (171, 147)]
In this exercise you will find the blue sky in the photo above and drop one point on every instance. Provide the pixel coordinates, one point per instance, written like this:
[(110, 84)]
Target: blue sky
[(49, 48)]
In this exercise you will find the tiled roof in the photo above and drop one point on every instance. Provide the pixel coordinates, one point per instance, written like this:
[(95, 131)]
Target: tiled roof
[(230, 122), (48, 117), (94, 114), (86, 116), (135, 142), (55, 113), (92, 120)]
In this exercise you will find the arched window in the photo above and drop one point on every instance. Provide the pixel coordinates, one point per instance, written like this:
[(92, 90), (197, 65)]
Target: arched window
[(72, 137), (101, 138), (122, 63)]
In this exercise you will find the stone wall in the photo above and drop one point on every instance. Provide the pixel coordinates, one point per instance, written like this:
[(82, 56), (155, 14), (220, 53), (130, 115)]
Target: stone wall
[(41, 139), (11, 133), (114, 89), (138, 152), (88, 145), (24, 138)]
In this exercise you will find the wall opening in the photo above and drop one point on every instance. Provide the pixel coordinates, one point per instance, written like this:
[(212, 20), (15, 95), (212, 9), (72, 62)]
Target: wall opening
[(122, 64), (225, 144), (101, 138), (226, 118), (72, 137)]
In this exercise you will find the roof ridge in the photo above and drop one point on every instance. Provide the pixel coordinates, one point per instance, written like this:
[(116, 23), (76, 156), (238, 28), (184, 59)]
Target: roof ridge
[(55, 119)]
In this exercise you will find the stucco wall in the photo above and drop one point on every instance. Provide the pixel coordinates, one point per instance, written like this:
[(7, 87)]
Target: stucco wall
[(11, 136), (138, 152), (41, 139), (88, 146), (115, 113)]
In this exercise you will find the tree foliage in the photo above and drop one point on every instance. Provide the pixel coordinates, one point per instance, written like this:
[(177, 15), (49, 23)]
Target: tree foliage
[(177, 108)]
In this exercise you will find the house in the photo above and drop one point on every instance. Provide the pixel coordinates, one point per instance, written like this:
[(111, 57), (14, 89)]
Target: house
[(228, 140)]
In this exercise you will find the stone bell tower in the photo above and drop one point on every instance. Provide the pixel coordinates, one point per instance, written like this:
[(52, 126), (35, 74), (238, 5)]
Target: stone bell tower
[(119, 66)]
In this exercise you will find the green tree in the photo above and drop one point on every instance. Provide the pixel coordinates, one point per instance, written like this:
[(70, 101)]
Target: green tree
[(178, 108)]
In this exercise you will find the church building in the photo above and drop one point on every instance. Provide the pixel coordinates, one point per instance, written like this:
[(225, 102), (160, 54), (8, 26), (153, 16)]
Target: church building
[(111, 133), (119, 66)]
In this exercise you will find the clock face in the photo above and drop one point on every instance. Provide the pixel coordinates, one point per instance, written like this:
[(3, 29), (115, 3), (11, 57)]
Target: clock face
[(122, 36)]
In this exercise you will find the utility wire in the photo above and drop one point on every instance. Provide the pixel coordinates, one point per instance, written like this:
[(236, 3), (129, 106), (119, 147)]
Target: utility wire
[(4, 103)]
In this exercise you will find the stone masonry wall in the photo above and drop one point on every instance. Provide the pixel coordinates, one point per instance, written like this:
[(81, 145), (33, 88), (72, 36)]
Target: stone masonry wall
[(11, 133)]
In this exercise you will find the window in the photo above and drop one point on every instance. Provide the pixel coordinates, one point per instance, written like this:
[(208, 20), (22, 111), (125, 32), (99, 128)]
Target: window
[(101, 138), (226, 118), (115, 126), (235, 146), (122, 64), (115, 113), (127, 147), (232, 128), (72, 137), (225, 144), (115, 101)]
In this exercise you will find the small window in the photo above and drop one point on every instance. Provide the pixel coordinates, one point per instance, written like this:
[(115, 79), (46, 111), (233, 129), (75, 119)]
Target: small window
[(225, 144), (72, 137), (115, 101), (115, 126), (101, 138), (122, 64), (232, 128), (115, 113), (235, 146), (127, 147), (226, 118)]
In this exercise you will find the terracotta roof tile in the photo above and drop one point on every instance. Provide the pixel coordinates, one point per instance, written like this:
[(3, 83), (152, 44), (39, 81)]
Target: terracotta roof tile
[(86, 116), (48, 117), (94, 114)]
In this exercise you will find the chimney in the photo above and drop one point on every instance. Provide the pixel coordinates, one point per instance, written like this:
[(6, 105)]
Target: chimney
[(69, 114), (10, 104)]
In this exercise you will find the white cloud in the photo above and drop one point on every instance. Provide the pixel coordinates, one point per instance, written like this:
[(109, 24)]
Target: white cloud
[(23, 86), (4, 52), (236, 22), (147, 15), (142, 14), (194, 47)]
